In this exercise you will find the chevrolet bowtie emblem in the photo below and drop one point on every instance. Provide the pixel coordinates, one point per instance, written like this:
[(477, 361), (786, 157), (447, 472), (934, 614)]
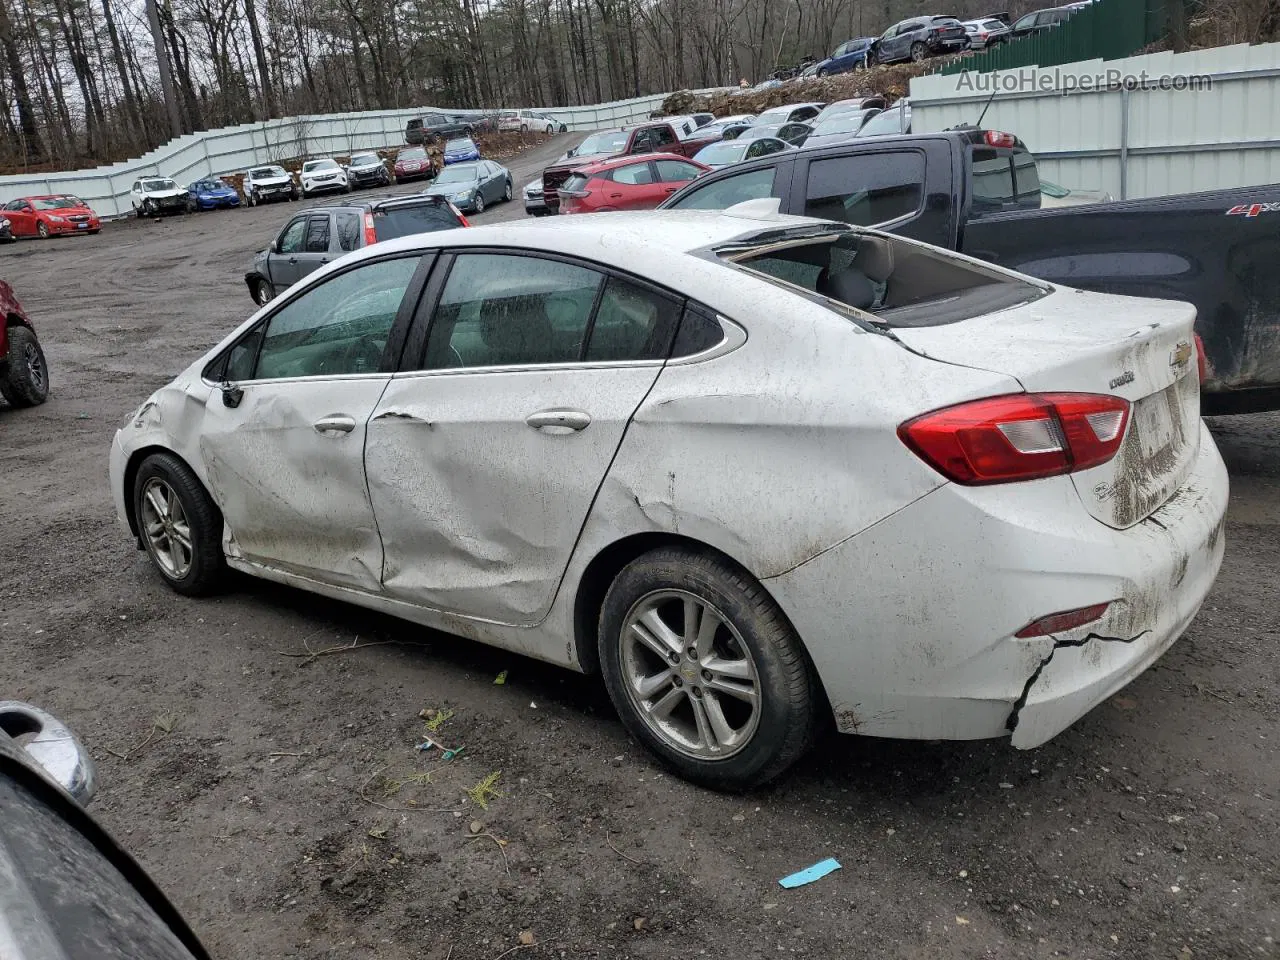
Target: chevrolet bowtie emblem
[(1181, 354)]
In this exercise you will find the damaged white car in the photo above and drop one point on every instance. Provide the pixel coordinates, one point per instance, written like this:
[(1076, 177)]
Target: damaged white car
[(754, 470)]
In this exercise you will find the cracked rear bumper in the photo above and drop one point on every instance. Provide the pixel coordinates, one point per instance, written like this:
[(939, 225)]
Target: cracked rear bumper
[(911, 623)]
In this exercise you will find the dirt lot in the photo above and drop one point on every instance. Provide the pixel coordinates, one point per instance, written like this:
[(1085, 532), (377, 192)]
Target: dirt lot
[(288, 814)]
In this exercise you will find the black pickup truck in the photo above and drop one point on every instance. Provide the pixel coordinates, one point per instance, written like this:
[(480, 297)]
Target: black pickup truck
[(977, 191)]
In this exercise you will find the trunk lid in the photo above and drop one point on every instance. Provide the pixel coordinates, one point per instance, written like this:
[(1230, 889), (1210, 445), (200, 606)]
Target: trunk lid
[(1141, 350)]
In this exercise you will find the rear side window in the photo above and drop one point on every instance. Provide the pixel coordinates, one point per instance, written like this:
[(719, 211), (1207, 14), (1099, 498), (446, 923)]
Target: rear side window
[(318, 235), (348, 230), (993, 180), (722, 194), (635, 174), (867, 190), (631, 323), (698, 332), (406, 221)]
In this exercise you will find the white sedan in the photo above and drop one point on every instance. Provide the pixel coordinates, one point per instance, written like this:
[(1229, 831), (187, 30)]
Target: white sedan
[(754, 470)]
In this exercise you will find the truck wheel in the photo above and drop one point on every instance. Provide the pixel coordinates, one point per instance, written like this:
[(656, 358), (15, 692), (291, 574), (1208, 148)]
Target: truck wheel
[(919, 51), (705, 670), (180, 525), (26, 383)]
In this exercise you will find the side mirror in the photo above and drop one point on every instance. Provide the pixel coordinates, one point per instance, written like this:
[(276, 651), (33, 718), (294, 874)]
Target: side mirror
[(231, 394), (53, 748), (275, 246)]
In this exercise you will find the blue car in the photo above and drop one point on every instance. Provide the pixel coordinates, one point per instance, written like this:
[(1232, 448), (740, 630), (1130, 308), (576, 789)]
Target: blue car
[(210, 194), (850, 55), (460, 151)]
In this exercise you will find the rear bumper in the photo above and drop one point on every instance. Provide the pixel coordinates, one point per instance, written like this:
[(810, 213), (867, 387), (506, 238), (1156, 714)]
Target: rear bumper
[(535, 206), (911, 623)]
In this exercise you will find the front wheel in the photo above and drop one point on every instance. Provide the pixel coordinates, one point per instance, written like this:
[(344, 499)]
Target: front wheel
[(180, 526), (42, 230), (263, 292), (705, 670), (26, 381), (919, 52), (524, 128), (822, 72), (479, 202), (506, 195)]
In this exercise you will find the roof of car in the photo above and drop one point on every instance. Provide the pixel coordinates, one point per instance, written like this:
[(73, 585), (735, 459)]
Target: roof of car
[(609, 163), (376, 203)]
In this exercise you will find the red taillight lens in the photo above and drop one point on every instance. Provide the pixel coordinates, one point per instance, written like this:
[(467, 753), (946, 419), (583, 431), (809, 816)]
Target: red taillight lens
[(370, 234), (1023, 436), (1202, 364), (462, 221), (996, 139), (1061, 622)]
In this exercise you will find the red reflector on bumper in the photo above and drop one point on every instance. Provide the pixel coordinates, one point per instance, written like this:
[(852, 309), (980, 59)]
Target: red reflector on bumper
[(1059, 622)]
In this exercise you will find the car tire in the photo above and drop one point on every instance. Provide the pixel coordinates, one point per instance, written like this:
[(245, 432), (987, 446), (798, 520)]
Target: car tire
[(479, 204), (551, 129), (169, 499), (468, 131), (42, 230), (506, 195), (524, 128), (25, 383), (756, 648), (919, 52), (263, 292), (821, 73)]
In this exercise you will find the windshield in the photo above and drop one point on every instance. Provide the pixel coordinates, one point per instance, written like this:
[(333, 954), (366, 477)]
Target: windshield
[(726, 151), (460, 173), (776, 115), (364, 159), (312, 165), (610, 141), (900, 282), (213, 184), (888, 122), (840, 123), (757, 130), (56, 203), (406, 221), (413, 153), (159, 185), (262, 173)]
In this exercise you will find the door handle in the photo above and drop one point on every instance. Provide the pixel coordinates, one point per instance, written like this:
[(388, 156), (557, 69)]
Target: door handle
[(293, 259), (335, 423), (614, 196), (559, 420), (670, 190)]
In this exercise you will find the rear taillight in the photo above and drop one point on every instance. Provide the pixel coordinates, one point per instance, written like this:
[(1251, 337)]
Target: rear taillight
[(1061, 622), (1202, 364), (370, 235), (994, 138), (576, 194), (1021, 436), (462, 221)]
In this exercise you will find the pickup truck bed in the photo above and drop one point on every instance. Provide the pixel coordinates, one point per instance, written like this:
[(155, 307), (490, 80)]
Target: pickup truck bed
[(978, 192)]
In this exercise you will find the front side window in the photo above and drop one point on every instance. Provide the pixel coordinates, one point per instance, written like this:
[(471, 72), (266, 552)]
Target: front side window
[(676, 171), (294, 235), (722, 194), (873, 189), (505, 310), (635, 174), (338, 327)]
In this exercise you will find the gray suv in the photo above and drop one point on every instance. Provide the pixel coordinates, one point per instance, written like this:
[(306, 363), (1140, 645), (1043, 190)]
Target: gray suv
[(431, 127), (316, 236)]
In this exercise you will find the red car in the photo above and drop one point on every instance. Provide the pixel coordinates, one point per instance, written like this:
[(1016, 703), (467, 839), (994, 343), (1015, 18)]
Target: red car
[(24, 377), (414, 163), (50, 216), (627, 183)]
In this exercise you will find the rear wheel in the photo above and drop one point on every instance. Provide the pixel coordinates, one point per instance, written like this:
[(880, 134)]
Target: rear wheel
[(524, 128), (180, 526), (26, 381), (705, 670), (919, 51)]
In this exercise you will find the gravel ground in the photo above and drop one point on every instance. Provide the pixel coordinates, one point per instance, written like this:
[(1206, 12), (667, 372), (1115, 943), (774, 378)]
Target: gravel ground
[(279, 800)]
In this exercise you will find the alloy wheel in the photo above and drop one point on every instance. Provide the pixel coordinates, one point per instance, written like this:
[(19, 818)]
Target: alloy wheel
[(689, 675), (165, 525), (43, 230), (35, 367)]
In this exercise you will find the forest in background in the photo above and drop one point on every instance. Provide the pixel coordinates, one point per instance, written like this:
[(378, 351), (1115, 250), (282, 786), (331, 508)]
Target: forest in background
[(82, 78)]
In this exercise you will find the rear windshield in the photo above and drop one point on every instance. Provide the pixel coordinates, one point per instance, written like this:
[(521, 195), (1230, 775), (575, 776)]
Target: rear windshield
[(900, 282), (575, 183), (726, 151), (395, 222), (1003, 179)]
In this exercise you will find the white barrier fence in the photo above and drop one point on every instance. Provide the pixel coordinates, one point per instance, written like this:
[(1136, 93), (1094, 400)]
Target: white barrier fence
[(1161, 124), (234, 149)]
